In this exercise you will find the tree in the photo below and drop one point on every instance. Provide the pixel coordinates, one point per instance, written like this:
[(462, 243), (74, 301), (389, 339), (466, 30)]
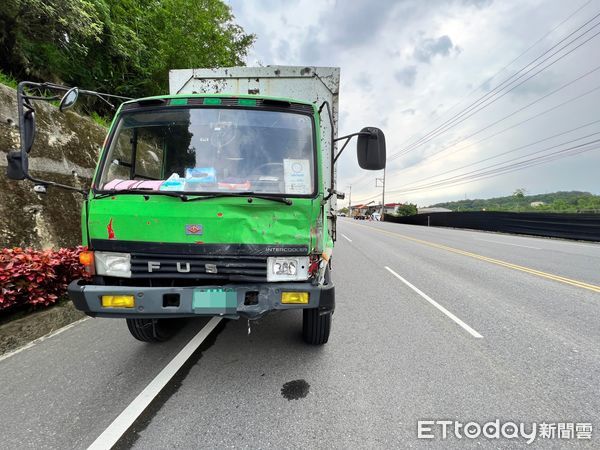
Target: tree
[(519, 196), (520, 193), (124, 47), (407, 209)]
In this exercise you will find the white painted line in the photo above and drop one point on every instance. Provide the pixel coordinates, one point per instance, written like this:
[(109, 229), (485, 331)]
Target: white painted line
[(507, 243), (121, 424), (470, 330), (346, 237), (41, 339)]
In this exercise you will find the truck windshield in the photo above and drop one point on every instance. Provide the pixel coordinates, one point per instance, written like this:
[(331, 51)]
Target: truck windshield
[(208, 150)]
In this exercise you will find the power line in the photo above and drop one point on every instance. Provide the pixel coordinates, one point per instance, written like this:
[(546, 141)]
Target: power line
[(584, 94), (535, 116), (518, 110), (364, 178), (513, 60), (507, 168), (571, 151), (503, 153), (453, 121), (477, 171)]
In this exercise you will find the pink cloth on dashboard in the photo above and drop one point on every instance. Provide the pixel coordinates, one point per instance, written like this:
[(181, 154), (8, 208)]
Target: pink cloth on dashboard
[(123, 185)]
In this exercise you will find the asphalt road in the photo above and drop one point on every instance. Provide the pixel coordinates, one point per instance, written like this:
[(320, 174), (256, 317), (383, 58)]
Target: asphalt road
[(430, 324)]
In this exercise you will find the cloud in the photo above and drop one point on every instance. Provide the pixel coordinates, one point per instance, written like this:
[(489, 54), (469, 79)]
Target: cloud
[(283, 49), (409, 112), (407, 76), (427, 48), (357, 23), (480, 4), (364, 81)]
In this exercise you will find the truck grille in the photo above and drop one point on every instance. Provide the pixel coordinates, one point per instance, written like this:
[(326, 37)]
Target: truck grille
[(200, 267)]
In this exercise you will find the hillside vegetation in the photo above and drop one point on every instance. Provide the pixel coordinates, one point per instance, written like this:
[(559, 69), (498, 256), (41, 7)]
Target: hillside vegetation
[(124, 47), (571, 201)]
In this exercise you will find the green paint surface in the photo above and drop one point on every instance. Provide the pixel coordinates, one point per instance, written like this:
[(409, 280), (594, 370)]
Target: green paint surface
[(247, 102), (224, 220)]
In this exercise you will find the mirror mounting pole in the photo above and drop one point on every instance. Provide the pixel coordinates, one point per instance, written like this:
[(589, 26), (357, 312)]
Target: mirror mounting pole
[(27, 132), (348, 137)]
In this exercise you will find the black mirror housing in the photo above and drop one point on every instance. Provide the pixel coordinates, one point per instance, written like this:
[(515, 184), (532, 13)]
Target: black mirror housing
[(28, 130), (370, 149), (14, 169)]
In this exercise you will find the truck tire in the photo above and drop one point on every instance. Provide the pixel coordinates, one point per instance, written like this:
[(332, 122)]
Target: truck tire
[(315, 326), (151, 330)]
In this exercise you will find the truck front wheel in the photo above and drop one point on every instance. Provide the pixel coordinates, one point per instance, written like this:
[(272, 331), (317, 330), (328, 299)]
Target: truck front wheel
[(151, 330), (315, 326)]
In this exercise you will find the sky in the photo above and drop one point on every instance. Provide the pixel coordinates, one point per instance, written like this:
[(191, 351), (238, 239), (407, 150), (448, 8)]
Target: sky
[(411, 67)]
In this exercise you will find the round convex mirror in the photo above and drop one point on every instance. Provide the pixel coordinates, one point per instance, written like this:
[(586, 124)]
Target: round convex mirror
[(69, 99)]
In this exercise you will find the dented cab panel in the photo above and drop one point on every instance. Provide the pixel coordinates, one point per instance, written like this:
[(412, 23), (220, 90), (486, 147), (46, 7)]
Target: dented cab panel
[(212, 221)]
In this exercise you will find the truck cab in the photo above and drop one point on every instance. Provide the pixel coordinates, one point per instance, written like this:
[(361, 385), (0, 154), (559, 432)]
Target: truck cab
[(218, 202)]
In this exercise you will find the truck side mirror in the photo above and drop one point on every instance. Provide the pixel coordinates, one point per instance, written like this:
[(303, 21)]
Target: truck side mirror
[(370, 149), (14, 169), (69, 99)]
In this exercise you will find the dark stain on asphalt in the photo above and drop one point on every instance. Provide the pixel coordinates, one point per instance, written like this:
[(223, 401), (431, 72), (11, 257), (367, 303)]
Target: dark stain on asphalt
[(294, 390)]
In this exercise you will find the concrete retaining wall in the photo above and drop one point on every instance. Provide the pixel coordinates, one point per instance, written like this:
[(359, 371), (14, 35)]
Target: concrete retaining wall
[(65, 150)]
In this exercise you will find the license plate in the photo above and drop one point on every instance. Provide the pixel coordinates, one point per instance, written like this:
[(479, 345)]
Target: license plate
[(214, 301)]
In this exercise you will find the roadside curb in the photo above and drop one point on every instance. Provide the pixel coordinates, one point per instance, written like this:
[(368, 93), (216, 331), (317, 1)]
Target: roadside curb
[(21, 332)]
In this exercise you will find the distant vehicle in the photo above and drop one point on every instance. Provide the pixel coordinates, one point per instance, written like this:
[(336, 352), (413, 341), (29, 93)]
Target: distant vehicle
[(342, 215), (376, 216)]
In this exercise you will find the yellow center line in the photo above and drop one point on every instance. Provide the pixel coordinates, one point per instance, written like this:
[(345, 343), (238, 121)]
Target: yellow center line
[(539, 273)]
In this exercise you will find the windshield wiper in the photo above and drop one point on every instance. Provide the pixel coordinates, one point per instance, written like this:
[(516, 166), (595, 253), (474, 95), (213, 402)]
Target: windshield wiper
[(145, 192), (185, 198), (250, 196)]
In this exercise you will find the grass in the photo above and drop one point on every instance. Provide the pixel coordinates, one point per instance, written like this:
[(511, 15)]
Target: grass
[(102, 121), (8, 80)]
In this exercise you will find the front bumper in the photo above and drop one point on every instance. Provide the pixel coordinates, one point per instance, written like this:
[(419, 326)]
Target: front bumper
[(150, 302)]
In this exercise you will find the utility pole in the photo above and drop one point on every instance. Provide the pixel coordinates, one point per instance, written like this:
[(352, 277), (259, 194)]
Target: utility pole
[(383, 197), (350, 198), (382, 181)]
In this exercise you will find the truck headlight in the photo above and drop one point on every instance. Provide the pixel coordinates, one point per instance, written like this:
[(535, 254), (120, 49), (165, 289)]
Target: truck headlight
[(113, 264), (288, 268)]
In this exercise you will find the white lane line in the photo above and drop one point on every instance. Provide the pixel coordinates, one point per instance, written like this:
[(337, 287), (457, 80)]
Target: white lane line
[(506, 243), (121, 424), (41, 339), (346, 237), (470, 330)]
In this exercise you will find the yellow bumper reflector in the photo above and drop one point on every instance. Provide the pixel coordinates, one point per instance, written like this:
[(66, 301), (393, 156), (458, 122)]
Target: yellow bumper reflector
[(294, 297), (118, 301)]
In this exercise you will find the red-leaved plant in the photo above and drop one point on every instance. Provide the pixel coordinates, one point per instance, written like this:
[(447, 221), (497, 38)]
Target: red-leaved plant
[(37, 277)]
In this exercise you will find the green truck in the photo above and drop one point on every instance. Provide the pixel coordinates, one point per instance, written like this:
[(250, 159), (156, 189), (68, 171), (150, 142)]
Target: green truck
[(216, 200)]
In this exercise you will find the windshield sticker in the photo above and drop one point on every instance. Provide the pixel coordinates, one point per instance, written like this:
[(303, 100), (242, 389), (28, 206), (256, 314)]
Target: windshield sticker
[(296, 173), (201, 175)]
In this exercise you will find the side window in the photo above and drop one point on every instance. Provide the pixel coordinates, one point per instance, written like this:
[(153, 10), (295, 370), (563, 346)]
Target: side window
[(119, 165)]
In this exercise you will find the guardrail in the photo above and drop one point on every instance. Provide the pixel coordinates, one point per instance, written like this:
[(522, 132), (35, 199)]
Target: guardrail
[(585, 227)]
